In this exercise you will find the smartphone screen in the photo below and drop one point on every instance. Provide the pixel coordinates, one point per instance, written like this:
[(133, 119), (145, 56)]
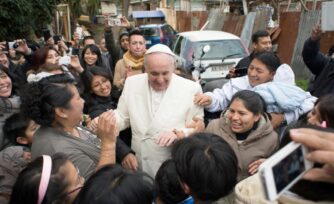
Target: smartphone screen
[(287, 170), (283, 169)]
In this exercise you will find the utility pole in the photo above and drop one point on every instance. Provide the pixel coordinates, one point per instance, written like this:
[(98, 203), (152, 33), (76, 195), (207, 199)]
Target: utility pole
[(125, 5)]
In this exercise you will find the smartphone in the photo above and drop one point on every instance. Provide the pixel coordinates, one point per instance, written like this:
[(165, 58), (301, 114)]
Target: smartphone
[(283, 169), (66, 60), (241, 71), (46, 34), (114, 22), (57, 38), (11, 45)]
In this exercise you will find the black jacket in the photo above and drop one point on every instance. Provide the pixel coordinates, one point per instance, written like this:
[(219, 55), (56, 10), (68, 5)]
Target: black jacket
[(321, 66), (95, 105)]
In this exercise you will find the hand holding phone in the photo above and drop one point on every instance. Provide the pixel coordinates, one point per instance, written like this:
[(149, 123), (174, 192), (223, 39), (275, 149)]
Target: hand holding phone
[(283, 169), (322, 143), (66, 60)]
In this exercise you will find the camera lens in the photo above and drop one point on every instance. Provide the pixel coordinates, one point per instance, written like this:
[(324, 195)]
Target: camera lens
[(15, 45)]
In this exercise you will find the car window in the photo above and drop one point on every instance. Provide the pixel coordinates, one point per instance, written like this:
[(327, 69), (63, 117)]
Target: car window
[(167, 30), (150, 31), (178, 45), (219, 49)]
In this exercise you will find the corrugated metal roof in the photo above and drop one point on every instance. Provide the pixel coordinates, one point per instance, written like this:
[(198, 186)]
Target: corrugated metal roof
[(307, 21), (148, 14), (247, 30)]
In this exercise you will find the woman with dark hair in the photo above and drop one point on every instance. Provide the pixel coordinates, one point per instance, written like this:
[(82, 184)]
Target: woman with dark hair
[(247, 128), (46, 54), (323, 112), (47, 180), (55, 104), (91, 56), (98, 86), (9, 101), (113, 184), (99, 99)]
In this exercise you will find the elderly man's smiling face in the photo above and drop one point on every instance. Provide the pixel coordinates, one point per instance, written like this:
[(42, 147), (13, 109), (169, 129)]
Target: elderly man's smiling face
[(160, 68)]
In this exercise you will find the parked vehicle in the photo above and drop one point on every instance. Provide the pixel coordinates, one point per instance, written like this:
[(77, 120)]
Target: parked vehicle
[(158, 33), (223, 51)]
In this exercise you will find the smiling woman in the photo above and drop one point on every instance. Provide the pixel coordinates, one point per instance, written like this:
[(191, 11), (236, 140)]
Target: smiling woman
[(246, 127), (91, 56), (9, 101)]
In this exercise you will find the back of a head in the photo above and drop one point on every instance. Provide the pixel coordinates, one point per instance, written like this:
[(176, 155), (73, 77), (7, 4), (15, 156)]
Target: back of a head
[(15, 126), (270, 59), (207, 164), (326, 109), (259, 34), (113, 184), (168, 185)]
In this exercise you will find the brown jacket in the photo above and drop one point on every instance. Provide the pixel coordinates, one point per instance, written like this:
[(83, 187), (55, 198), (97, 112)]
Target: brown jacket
[(260, 143), (121, 73)]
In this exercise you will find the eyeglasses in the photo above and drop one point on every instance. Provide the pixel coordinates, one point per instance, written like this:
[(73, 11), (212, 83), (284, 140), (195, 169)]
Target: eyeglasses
[(73, 190), (79, 182)]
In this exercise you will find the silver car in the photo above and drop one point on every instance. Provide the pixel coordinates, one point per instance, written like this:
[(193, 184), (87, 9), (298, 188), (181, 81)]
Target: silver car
[(211, 53)]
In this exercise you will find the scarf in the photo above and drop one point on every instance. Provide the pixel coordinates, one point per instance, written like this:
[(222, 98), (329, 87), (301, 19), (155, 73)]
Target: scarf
[(134, 63)]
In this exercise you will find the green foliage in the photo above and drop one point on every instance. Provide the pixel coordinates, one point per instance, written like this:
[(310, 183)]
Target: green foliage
[(93, 7), (302, 83), (19, 17)]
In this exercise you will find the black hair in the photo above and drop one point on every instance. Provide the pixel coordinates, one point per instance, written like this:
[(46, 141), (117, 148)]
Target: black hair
[(252, 101), (168, 184), (259, 34), (25, 190), (268, 58), (207, 164), (135, 32), (113, 184), (95, 71), (15, 126), (40, 99), (89, 37), (326, 109), (94, 49), (123, 33)]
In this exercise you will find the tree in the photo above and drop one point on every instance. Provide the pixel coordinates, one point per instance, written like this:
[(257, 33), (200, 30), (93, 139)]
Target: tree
[(20, 17)]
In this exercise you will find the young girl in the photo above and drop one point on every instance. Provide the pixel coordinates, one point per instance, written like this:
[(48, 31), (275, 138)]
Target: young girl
[(48, 180)]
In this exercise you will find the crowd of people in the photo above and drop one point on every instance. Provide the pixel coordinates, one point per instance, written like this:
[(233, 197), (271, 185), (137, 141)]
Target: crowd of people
[(116, 123)]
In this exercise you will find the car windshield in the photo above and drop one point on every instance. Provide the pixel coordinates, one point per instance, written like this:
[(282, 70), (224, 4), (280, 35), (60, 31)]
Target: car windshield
[(149, 31), (219, 49)]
